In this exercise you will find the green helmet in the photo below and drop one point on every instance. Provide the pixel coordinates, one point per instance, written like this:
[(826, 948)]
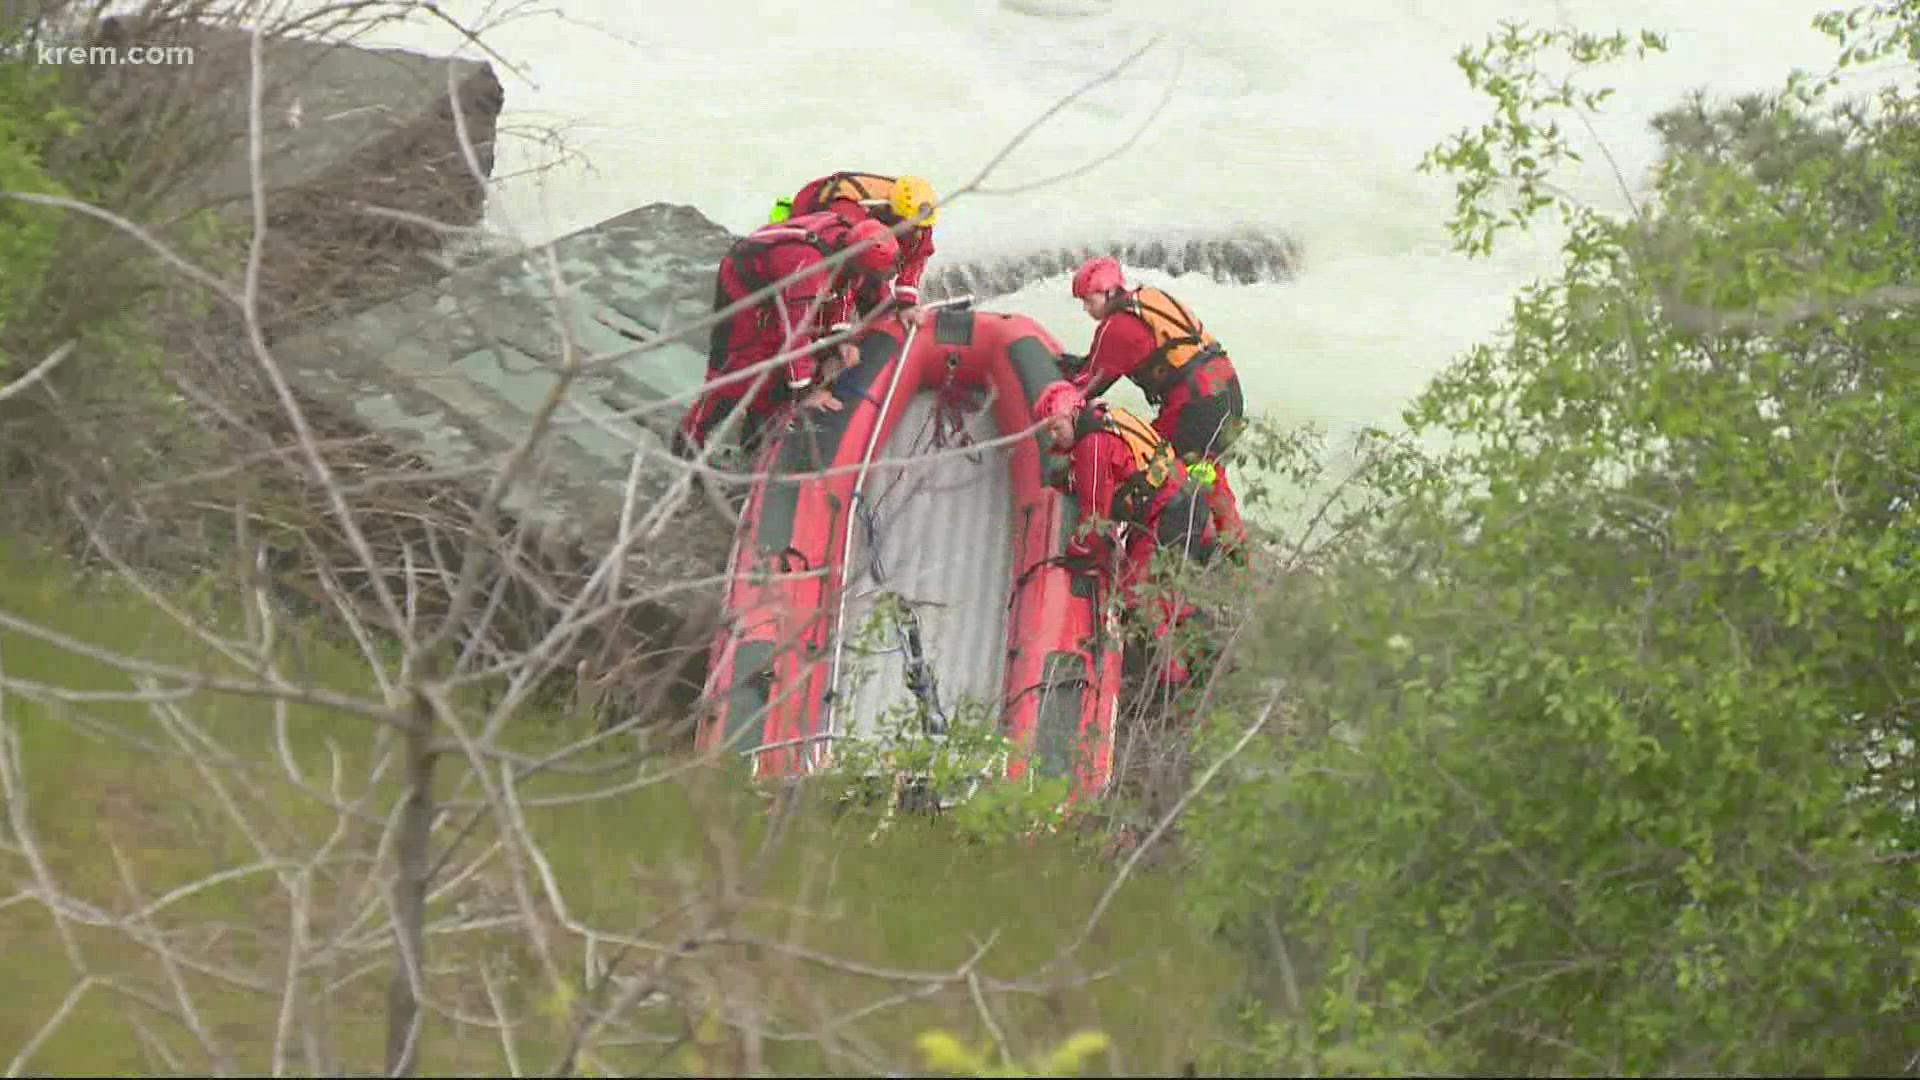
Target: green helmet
[(782, 210)]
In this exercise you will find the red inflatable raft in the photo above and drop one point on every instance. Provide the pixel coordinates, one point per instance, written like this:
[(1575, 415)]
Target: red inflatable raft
[(1012, 624)]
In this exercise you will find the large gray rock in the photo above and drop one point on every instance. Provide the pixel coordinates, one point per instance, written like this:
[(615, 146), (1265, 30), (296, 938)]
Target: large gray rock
[(456, 373), (342, 129)]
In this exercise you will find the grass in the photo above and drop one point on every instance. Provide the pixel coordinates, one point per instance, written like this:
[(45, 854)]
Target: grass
[(127, 798)]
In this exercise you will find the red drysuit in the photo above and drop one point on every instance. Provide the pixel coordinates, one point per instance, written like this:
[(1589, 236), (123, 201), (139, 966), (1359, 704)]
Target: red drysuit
[(1100, 464), (1194, 413), (816, 305)]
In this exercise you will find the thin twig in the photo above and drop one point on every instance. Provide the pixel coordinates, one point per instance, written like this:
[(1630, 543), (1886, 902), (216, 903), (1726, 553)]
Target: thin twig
[(1159, 830), (39, 371)]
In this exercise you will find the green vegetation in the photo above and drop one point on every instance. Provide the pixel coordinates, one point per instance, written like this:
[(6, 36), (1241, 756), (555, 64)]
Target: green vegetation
[(946, 1055), (85, 296), (171, 791), (1603, 757), (33, 115), (1585, 748)]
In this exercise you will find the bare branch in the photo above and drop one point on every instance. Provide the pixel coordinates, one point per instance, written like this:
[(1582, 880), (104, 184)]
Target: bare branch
[(47, 1030), (1159, 830), (189, 1012), (39, 371), (188, 679), (256, 334), (1133, 137)]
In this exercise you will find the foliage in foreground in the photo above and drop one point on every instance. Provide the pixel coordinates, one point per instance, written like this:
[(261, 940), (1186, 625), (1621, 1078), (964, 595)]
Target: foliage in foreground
[(33, 116), (80, 299), (948, 1056), (197, 890), (1604, 759)]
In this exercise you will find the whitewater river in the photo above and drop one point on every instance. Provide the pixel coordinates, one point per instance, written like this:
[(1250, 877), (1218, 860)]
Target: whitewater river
[(1308, 118)]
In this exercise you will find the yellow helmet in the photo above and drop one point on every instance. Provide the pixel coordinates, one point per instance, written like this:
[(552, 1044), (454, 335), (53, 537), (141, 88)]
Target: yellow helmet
[(913, 196)]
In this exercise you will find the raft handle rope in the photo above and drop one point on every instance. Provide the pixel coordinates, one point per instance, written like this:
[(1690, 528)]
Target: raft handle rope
[(952, 411), (919, 673), (920, 679), (932, 437)]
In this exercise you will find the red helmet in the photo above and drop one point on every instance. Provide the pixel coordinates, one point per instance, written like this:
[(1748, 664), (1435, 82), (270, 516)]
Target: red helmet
[(1058, 399), (877, 259), (1097, 275)]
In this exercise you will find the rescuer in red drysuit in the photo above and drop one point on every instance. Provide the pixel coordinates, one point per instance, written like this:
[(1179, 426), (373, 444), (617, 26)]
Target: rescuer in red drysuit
[(890, 200), (814, 306), (1149, 337), (1123, 471)]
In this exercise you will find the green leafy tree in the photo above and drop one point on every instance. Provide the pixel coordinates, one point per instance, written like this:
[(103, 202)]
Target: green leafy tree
[(116, 322), (1600, 734), (33, 116)]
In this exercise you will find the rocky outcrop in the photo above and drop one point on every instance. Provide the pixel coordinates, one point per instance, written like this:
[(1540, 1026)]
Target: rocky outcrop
[(344, 131), (456, 372)]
